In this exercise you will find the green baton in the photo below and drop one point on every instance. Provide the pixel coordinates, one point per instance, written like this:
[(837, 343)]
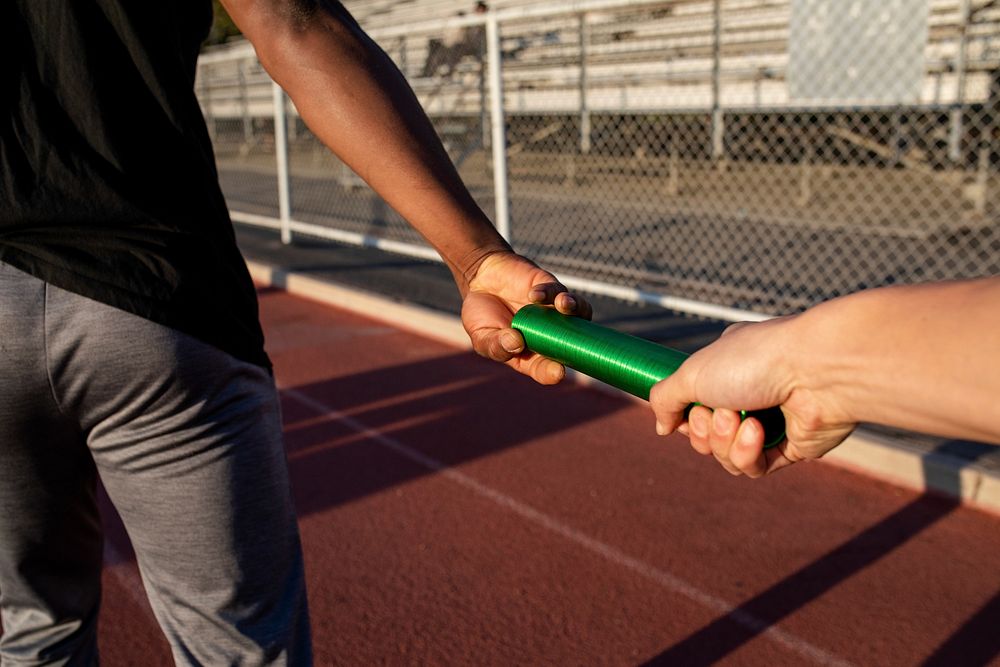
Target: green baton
[(629, 363)]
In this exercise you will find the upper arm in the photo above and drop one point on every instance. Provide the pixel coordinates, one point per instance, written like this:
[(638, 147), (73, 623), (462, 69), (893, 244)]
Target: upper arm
[(289, 31), (255, 17)]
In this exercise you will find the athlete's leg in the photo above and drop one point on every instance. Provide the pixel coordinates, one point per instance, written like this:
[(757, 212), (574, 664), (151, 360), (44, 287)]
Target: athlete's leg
[(187, 441), (50, 537)]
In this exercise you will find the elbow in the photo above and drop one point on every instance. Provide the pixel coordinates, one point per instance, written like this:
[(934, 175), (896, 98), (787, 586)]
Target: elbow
[(289, 35), (274, 27)]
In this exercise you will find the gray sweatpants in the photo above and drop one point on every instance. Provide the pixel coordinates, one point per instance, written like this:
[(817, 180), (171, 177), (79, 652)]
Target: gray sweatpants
[(187, 442)]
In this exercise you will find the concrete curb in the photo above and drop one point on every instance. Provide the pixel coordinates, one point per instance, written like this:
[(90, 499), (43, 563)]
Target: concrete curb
[(864, 452)]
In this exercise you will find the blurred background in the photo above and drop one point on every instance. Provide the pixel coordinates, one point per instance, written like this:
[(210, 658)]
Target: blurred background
[(724, 157)]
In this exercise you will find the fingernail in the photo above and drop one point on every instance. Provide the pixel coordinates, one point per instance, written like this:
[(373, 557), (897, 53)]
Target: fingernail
[(660, 428), (748, 434), (557, 374), (537, 295), (569, 302), (698, 424), (511, 342), (724, 422)]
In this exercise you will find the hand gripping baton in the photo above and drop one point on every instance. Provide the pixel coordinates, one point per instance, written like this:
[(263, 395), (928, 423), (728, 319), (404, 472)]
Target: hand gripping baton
[(629, 363)]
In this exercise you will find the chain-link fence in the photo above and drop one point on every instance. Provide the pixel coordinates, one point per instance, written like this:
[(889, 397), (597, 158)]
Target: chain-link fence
[(744, 155)]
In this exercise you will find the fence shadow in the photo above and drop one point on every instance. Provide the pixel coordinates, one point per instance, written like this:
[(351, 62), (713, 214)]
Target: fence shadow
[(728, 633), (977, 642)]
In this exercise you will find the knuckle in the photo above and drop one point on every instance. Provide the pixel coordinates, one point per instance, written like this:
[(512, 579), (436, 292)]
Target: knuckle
[(489, 346), (734, 327), (808, 420)]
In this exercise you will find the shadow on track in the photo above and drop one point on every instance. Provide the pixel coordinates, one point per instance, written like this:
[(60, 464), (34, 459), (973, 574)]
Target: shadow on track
[(452, 409), (975, 643), (728, 633), (754, 617)]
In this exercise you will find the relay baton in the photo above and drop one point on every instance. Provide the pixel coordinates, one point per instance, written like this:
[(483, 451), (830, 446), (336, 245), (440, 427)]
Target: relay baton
[(629, 363)]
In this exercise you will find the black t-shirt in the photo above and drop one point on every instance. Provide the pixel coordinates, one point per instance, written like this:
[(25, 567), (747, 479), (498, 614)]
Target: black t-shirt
[(108, 186)]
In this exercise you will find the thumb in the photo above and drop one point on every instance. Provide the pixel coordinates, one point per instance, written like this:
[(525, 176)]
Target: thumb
[(497, 344), (669, 398)]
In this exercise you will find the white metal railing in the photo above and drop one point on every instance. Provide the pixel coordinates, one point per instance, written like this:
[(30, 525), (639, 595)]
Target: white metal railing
[(682, 120)]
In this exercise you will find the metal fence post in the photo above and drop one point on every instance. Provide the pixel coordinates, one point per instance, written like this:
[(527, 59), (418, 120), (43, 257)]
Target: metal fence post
[(281, 153), (245, 106), (206, 103), (497, 120), (955, 135), (584, 110), (718, 127), (860, 169), (484, 107)]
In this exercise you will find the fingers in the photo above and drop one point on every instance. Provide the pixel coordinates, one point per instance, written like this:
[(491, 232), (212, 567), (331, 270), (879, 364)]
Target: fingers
[(507, 346), (699, 429), (737, 446), (721, 434), (538, 368), (574, 304), (487, 321), (740, 451), (556, 294), (546, 293), (501, 285), (497, 344), (747, 451)]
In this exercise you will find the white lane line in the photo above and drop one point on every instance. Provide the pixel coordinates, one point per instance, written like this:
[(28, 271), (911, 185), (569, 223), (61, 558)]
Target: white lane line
[(354, 437), (610, 553)]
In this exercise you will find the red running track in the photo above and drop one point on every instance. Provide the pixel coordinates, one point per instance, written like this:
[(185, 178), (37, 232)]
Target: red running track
[(454, 513)]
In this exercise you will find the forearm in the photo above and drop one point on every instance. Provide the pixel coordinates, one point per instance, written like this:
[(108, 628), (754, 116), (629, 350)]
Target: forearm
[(352, 96), (924, 357)]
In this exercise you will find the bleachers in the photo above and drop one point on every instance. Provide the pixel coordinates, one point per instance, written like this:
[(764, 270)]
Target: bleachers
[(648, 121), (665, 51), (658, 55)]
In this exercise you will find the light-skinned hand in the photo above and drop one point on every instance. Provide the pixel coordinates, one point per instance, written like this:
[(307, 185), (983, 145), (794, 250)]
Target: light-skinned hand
[(752, 366)]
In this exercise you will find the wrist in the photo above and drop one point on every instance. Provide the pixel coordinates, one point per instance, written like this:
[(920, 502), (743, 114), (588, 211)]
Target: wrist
[(833, 363), (468, 267)]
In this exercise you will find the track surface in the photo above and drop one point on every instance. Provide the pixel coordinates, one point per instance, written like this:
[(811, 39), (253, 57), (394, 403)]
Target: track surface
[(453, 512)]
